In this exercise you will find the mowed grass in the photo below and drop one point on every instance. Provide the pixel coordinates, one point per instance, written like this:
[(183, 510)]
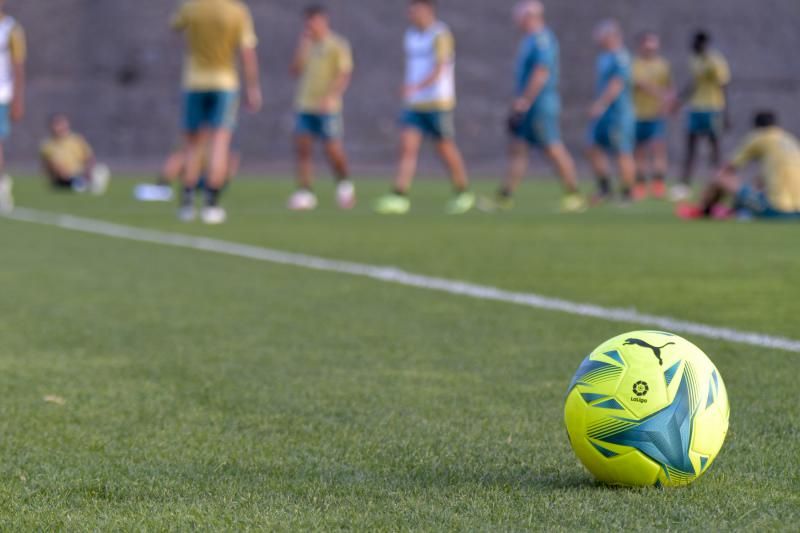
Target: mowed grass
[(212, 392)]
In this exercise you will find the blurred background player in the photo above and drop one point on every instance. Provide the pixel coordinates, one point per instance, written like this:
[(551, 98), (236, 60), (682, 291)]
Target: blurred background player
[(613, 128), (708, 108), (324, 64), (12, 93), (536, 110), (430, 100), (653, 93), (776, 194), (69, 161), (217, 31)]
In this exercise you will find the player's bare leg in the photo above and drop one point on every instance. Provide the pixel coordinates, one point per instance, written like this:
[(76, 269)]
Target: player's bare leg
[(660, 168), (397, 202), (337, 158), (518, 162), (218, 159), (627, 172), (643, 169), (6, 186), (303, 198), (682, 191), (451, 156), (562, 160), (602, 172), (191, 172), (410, 144)]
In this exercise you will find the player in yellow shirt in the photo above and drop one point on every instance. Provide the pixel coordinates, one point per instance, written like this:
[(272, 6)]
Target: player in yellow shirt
[(217, 33), (69, 161), (324, 65), (708, 107), (776, 194), (652, 93), (12, 93)]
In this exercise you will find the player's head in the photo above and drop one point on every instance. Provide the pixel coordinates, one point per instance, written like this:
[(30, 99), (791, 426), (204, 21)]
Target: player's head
[(649, 44), (422, 13), (529, 15), (765, 119), (316, 21), (608, 34), (701, 41), (58, 123)]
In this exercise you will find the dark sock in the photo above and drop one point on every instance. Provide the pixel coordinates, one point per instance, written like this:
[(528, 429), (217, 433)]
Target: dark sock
[(161, 181), (626, 193), (212, 197), (187, 196), (659, 178), (641, 179), (460, 190), (604, 185), (504, 193), (398, 192)]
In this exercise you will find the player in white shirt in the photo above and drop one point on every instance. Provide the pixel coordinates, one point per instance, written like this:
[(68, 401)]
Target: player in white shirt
[(12, 93), (430, 99)]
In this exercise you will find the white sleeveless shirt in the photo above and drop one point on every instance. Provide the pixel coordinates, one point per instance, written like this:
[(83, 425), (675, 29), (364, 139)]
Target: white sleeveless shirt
[(7, 25), (421, 60)]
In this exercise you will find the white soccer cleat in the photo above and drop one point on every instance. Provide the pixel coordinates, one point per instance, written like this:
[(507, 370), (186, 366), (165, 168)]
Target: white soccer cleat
[(213, 216), (153, 193), (101, 176), (187, 213), (680, 193), (302, 201), (6, 195), (346, 195)]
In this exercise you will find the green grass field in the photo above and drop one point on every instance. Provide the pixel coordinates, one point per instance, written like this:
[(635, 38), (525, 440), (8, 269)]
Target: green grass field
[(213, 392)]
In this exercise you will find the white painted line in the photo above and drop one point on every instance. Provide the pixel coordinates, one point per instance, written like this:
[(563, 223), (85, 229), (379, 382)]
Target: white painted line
[(400, 277)]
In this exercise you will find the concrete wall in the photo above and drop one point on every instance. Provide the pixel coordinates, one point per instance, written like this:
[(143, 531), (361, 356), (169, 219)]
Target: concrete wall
[(114, 66)]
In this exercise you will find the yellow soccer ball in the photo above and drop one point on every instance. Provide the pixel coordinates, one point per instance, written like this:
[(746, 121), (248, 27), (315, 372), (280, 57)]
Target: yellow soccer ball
[(647, 408)]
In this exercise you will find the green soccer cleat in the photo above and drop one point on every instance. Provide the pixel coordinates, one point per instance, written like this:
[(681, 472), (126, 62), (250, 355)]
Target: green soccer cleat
[(496, 204), (461, 203), (574, 203), (393, 204)]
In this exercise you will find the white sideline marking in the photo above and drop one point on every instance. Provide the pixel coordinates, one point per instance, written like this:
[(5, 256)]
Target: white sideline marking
[(400, 277)]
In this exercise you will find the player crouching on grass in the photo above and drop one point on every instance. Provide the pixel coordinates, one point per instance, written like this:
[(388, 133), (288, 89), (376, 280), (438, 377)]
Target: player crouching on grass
[(69, 161), (430, 98), (776, 195), (324, 64), (536, 111)]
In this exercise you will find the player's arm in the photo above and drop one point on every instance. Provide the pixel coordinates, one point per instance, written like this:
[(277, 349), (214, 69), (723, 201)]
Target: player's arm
[(301, 55), (539, 78), (746, 154), (722, 74), (250, 65), (50, 166), (604, 101), (18, 50), (445, 49), (344, 66)]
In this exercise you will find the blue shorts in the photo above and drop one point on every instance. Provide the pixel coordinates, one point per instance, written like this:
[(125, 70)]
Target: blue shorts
[(322, 127), (752, 201), (210, 109), (705, 123), (648, 131), (615, 135), (5, 122), (541, 128), (439, 125)]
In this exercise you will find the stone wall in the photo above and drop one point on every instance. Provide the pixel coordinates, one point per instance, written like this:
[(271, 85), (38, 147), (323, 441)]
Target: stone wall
[(114, 66)]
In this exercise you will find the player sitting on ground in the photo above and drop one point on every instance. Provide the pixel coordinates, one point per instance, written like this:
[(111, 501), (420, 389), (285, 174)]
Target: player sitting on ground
[(613, 128), (430, 99), (708, 108), (775, 195), (324, 64), (653, 94), (217, 31), (536, 111), (69, 161), (12, 94)]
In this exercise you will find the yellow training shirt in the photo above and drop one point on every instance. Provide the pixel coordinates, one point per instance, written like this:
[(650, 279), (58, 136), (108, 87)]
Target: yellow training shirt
[(216, 31), (711, 75), (70, 153), (779, 154), (327, 61), (654, 72)]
